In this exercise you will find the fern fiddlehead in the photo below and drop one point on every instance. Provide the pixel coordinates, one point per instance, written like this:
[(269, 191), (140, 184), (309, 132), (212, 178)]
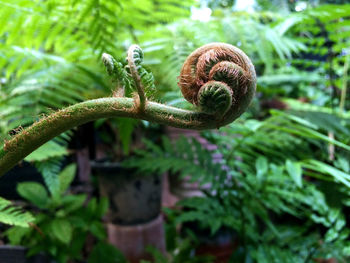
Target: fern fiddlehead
[(218, 78)]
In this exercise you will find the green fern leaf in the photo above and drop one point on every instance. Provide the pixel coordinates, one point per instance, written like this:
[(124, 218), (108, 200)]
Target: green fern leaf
[(14, 215)]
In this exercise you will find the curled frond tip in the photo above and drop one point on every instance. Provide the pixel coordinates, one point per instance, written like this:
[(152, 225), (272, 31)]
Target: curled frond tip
[(220, 79)]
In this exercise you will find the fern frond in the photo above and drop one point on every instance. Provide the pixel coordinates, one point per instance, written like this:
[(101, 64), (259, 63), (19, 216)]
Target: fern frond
[(14, 215), (176, 158)]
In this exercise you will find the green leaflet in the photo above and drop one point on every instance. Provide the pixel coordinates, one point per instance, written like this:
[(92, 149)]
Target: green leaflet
[(14, 215)]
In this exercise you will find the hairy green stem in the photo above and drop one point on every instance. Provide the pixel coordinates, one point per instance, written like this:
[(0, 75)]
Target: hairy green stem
[(29, 139)]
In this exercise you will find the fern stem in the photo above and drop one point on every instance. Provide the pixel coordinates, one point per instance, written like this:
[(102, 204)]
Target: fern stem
[(29, 139), (135, 74), (345, 82), (26, 141)]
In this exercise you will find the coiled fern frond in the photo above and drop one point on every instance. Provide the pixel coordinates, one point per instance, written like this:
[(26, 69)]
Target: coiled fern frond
[(139, 107), (220, 79)]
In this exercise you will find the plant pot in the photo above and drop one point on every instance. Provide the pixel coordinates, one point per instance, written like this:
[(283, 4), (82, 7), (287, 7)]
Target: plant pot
[(133, 198), (134, 218), (132, 240), (17, 254)]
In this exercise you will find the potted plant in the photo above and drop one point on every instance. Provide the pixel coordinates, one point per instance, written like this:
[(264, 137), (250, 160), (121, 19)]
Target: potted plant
[(134, 219)]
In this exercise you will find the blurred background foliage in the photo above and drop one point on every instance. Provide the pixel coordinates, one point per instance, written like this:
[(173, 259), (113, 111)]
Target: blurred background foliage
[(283, 184)]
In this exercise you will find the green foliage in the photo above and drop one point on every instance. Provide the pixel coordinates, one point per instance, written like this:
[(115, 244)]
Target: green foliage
[(47, 159), (297, 55), (63, 222), (182, 251), (267, 44), (121, 75), (278, 187), (270, 187), (103, 252), (14, 215), (49, 53), (34, 192), (57, 56), (325, 32)]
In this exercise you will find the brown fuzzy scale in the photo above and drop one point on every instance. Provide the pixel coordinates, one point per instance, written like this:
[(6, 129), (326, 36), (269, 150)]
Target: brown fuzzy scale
[(206, 62), (232, 74)]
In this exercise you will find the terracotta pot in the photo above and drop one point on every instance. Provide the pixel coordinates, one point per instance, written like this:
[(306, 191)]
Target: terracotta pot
[(133, 240)]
